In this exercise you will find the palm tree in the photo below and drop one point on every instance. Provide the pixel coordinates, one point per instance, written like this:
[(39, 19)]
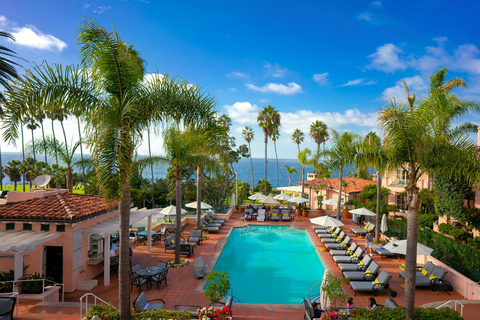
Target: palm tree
[(27, 168), (411, 144), (40, 117), (304, 161), (298, 137), (32, 125), (319, 133), (12, 170), (274, 136), (248, 135), (7, 66), (290, 170), (79, 113), (268, 118)]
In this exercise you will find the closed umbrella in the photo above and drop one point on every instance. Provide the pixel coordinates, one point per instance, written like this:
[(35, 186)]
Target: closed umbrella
[(384, 226), (202, 205), (326, 221), (324, 302)]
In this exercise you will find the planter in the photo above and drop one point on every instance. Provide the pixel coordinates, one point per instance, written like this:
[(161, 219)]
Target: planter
[(347, 214), (305, 213), (321, 212)]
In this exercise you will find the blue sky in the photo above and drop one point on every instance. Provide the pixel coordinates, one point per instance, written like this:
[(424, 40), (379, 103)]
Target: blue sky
[(336, 61)]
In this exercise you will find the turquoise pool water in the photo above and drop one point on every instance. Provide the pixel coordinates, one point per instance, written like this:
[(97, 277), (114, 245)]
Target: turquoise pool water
[(270, 264)]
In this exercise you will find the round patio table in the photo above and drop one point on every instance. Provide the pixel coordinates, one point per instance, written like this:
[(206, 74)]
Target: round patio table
[(145, 233), (148, 273)]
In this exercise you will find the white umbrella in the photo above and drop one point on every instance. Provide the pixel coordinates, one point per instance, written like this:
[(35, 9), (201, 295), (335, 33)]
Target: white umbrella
[(171, 211), (400, 247), (282, 196), (202, 205), (268, 199), (324, 302), (363, 212), (331, 202), (384, 226), (257, 196), (298, 200)]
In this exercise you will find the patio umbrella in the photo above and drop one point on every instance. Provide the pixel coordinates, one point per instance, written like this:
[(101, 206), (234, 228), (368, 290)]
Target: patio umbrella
[(268, 199), (400, 247), (331, 202), (171, 211), (384, 226), (298, 200), (363, 212), (256, 196), (326, 221), (324, 302), (202, 205), (282, 196)]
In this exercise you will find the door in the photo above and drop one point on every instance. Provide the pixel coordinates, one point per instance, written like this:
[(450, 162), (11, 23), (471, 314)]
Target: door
[(54, 263)]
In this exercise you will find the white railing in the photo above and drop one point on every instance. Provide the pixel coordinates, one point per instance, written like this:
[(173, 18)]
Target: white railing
[(86, 295), (310, 291), (16, 282), (455, 306), (248, 227)]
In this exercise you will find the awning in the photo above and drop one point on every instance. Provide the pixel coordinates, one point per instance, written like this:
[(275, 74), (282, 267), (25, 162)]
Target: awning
[(292, 189), (113, 225), (19, 241)]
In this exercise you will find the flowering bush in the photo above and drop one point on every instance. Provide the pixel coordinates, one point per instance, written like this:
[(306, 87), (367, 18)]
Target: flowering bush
[(219, 314), (334, 316)]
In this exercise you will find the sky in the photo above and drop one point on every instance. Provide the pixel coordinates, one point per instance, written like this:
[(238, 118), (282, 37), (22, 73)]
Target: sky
[(335, 61)]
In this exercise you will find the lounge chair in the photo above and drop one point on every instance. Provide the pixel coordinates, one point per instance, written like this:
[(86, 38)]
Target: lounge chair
[(275, 216), (209, 227), (215, 217), (435, 280), (286, 215), (195, 237), (209, 217), (141, 303), (212, 223), (337, 239), (368, 275), (328, 232), (346, 252), (382, 252), (356, 256), (361, 231), (425, 272), (362, 265), (339, 246), (378, 286), (248, 214), (261, 215), (7, 306)]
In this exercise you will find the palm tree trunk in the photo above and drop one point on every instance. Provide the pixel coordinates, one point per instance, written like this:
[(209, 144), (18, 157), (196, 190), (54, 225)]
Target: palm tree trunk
[(251, 167), (23, 156), (289, 179), (44, 144), (70, 179), (265, 181), (178, 204), (199, 197), (151, 168), (379, 195), (412, 238), (55, 144), (65, 137), (33, 146), (303, 181), (1, 168), (298, 147), (81, 151), (276, 157), (124, 263), (340, 182)]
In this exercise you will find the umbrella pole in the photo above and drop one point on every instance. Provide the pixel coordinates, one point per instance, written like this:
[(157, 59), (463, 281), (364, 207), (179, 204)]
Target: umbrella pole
[(361, 223), (323, 248)]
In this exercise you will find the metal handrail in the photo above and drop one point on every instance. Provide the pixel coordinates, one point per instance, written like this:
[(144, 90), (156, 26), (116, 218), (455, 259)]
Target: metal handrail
[(248, 227), (310, 291), (15, 284), (455, 306), (86, 295)]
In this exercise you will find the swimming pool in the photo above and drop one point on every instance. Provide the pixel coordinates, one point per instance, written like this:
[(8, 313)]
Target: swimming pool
[(270, 264)]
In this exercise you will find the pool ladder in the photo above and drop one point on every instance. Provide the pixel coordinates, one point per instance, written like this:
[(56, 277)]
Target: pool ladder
[(248, 227)]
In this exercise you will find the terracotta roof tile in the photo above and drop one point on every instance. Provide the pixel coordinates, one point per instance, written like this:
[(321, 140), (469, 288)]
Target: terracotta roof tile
[(62, 206), (355, 186)]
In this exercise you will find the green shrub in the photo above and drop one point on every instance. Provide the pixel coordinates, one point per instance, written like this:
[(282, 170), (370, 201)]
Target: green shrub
[(426, 220), (103, 312), (108, 312), (217, 286), (457, 233), (399, 314), (397, 228), (445, 228)]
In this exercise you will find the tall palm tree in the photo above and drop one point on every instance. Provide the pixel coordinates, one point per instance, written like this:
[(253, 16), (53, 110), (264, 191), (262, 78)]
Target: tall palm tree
[(274, 136), (268, 118), (12, 170), (412, 144), (248, 135), (298, 137), (40, 116), (290, 170), (304, 161), (32, 125), (319, 133), (79, 113)]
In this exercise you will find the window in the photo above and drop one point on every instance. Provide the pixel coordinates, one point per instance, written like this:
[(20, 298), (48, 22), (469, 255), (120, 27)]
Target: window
[(400, 202), (27, 227), (45, 227), (61, 228), (10, 226)]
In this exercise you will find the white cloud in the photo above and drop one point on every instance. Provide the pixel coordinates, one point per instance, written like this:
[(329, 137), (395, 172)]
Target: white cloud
[(274, 70), (237, 75), (465, 58), (416, 84), (291, 88), (32, 37), (242, 112), (365, 16), (321, 78), (386, 59), (359, 82), (101, 9), (377, 4), (86, 5)]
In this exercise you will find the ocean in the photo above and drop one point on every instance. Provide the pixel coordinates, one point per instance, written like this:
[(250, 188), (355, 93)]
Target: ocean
[(242, 168)]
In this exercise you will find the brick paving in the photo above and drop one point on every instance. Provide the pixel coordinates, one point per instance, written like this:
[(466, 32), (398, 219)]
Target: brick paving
[(184, 289)]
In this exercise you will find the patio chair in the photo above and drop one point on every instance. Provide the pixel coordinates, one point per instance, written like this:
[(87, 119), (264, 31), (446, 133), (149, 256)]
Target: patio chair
[(186, 249), (161, 277), (355, 257), (362, 265), (209, 217), (7, 306), (368, 275), (261, 215), (216, 217), (157, 238), (275, 216), (286, 216), (170, 242), (382, 252), (141, 303), (195, 237), (309, 311), (434, 280), (361, 231), (135, 268), (113, 265), (339, 246), (378, 286), (328, 233), (141, 239), (162, 264), (209, 228), (390, 303), (337, 239), (135, 280), (347, 252), (210, 224)]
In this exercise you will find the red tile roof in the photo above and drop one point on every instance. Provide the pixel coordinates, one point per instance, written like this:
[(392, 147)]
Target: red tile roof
[(62, 206), (355, 186)]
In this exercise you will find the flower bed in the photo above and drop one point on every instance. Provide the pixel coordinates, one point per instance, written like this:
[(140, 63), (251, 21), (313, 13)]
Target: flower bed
[(172, 264)]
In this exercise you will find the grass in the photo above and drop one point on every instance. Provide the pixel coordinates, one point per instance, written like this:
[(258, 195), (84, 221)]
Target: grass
[(79, 189)]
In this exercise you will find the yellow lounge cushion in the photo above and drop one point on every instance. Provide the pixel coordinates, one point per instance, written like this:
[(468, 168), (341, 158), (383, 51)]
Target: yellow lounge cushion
[(432, 278), (274, 214), (424, 272), (361, 263), (376, 281), (368, 272), (173, 241)]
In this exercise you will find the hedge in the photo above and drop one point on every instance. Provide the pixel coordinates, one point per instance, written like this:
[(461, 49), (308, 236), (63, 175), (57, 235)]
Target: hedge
[(107, 312), (399, 314), (426, 220)]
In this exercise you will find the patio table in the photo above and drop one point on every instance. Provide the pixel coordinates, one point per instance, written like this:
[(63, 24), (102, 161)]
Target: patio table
[(148, 272), (145, 233)]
